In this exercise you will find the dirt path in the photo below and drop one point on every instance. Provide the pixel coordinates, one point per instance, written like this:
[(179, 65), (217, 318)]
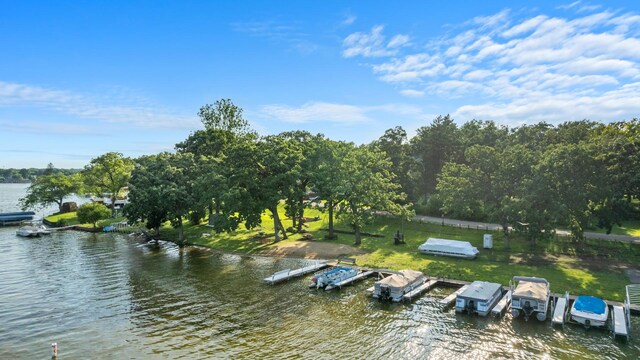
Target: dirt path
[(313, 250)]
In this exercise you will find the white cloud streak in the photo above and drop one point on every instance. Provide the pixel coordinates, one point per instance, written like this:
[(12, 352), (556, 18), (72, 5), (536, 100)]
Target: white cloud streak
[(373, 44), (325, 112), (91, 107)]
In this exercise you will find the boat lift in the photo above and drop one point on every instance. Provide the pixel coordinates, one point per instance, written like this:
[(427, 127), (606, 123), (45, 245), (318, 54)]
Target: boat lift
[(560, 310), (621, 315)]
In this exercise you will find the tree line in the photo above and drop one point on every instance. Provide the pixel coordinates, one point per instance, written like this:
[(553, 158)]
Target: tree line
[(532, 178), (26, 175)]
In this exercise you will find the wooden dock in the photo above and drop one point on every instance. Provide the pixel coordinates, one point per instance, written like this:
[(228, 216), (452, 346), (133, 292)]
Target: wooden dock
[(419, 290), (446, 302), (619, 320), (362, 275), (560, 310), (287, 274), (502, 305)]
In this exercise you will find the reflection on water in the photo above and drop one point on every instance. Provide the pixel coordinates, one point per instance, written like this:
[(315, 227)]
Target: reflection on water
[(104, 296)]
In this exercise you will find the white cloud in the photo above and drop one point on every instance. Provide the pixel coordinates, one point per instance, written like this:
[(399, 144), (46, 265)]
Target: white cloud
[(527, 68), (372, 44), (91, 107), (334, 113), (316, 111), (399, 41), (412, 93), (349, 19)]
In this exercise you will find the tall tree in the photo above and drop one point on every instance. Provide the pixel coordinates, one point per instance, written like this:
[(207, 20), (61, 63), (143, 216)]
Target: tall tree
[(223, 115), (395, 144), (51, 189), (328, 178), (108, 173), (161, 189), (433, 146), (368, 187)]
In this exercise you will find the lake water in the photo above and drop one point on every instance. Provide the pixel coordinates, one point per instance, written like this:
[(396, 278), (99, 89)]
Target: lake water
[(105, 296)]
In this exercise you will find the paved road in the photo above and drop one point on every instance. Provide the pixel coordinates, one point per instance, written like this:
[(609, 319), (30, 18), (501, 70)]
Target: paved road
[(497, 227)]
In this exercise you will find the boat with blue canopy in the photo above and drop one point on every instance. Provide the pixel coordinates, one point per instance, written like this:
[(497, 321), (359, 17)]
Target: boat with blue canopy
[(332, 276), (590, 311)]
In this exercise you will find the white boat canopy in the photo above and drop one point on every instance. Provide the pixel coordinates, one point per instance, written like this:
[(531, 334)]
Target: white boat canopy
[(448, 247), (402, 279), (532, 290)]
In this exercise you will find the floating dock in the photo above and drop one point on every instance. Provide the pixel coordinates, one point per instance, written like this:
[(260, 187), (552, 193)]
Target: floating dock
[(362, 275), (287, 274), (419, 290), (502, 305), (446, 302), (619, 321), (560, 310)]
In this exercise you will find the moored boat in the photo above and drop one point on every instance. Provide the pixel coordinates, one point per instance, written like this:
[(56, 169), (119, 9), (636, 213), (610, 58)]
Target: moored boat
[(394, 287), (479, 297), (332, 276), (28, 231), (590, 311), (530, 296)]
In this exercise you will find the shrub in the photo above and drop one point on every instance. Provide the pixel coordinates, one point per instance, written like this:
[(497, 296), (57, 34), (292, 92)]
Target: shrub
[(92, 213)]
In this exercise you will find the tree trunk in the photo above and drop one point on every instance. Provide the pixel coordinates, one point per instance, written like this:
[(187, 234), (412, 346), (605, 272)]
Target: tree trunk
[(330, 206), (300, 213), (356, 223), (157, 228), (59, 205), (277, 225), (113, 206), (217, 207), (505, 230), (180, 233)]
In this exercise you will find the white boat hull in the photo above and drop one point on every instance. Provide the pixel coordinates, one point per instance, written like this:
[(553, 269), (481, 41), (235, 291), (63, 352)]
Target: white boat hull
[(590, 319)]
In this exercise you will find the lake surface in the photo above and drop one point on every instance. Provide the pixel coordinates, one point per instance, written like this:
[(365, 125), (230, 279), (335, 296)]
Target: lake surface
[(106, 296)]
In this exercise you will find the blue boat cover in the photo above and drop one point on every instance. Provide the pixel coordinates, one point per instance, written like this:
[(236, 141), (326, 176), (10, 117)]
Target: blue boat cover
[(591, 304)]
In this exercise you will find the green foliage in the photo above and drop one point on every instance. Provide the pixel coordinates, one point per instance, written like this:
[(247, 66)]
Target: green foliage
[(92, 213), (50, 189), (223, 115), (161, 189), (108, 173)]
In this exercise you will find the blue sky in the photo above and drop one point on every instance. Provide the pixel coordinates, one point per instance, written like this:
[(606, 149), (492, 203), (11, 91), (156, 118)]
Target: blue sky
[(78, 79)]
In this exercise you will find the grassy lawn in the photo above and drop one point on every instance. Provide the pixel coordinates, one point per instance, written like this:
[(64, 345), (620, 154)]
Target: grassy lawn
[(593, 267), (629, 227), (71, 218)]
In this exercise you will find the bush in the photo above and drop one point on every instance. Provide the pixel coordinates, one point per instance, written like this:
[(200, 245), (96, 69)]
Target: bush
[(429, 205), (92, 213)]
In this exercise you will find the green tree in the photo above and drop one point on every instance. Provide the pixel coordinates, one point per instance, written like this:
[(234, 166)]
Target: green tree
[(108, 173), (328, 178), (161, 189), (368, 187), (92, 213), (50, 189), (433, 146), (395, 144), (223, 115)]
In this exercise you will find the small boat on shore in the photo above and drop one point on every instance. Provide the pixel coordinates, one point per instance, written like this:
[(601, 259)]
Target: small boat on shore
[(332, 276), (394, 287), (590, 311), (453, 248), (530, 296)]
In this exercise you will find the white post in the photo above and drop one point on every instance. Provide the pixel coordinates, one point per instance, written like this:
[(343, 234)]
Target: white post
[(54, 350)]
